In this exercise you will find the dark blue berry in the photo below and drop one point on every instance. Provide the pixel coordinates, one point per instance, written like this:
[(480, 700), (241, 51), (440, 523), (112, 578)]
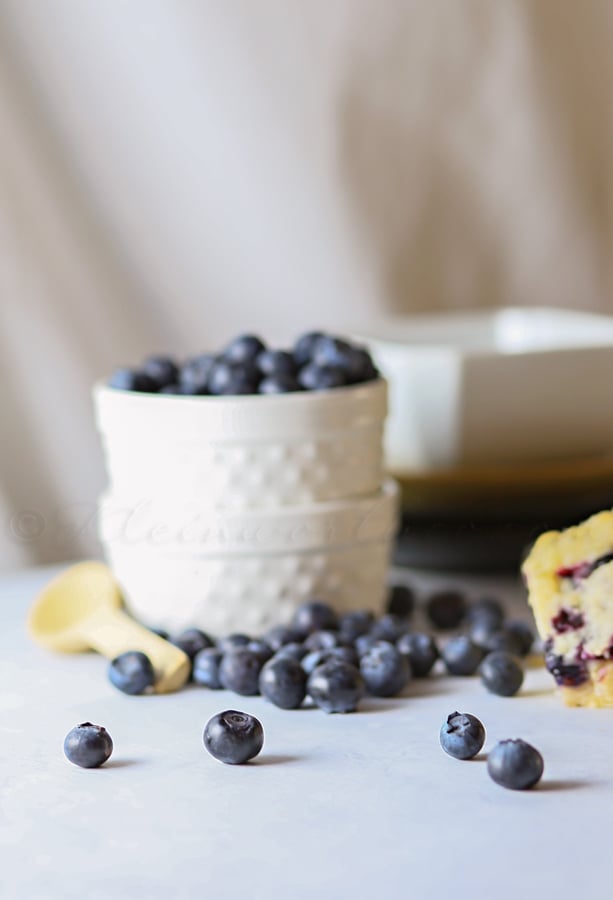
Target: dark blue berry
[(335, 686), (421, 651), (461, 656), (504, 639), (131, 672), (276, 362), (321, 378), (388, 628), (524, 635), (318, 657), (305, 345), (194, 374), (283, 682), (244, 349), (279, 384), (333, 352), (364, 642), (232, 641), (501, 673), (229, 379), (205, 671), (401, 601), (322, 640), (132, 380), (565, 674), (162, 369), (291, 651), (260, 648), (239, 671), (488, 609), (87, 745), (515, 764), (385, 670), (462, 735), (446, 609), (280, 635), (192, 640), (233, 737), (353, 624), (314, 615)]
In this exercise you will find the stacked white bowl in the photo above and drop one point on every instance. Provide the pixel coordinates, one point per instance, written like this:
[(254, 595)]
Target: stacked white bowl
[(226, 513)]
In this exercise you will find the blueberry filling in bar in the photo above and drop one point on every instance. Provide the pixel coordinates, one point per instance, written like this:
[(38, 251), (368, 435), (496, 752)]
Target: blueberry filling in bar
[(569, 575)]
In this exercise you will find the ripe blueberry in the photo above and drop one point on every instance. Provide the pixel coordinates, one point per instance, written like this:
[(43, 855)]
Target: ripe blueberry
[(233, 737), (501, 673), (420, 650), (446, 609), (385, 670), (335, 686), (283, 682), (239, 671), (461, 656), (462, 735), (515, 764), (314, 616), (131, 672), (205, 671), (87, 745)]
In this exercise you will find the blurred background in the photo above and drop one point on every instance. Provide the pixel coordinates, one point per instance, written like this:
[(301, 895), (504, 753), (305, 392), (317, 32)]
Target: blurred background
[(173, 172)]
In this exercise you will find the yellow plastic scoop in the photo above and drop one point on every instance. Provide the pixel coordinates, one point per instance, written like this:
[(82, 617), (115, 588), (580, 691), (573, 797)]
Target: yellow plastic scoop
[(81, 609)]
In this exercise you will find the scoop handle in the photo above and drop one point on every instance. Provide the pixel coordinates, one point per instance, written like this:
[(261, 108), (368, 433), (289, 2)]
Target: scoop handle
[(111, 632)]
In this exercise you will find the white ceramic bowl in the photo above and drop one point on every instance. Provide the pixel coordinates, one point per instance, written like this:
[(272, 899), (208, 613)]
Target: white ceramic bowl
[(244, 452), (182, 565), (513, 385)]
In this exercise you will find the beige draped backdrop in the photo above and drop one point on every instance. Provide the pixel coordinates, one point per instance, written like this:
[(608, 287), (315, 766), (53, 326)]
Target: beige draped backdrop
[(172, 171)]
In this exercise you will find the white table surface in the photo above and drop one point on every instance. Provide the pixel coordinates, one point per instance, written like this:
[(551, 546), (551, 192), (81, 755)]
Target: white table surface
[(358, 806)]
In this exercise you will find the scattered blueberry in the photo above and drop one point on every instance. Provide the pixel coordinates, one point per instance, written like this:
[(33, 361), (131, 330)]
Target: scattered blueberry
[(232, 641), (421, 651), (192, 640), (261, 649), (461, 656), (314, 615), (385, 670), (283, 682), (305, 346), (205, 670), (364, 642), (279, 384), (335, 686), (501, 673), (280, 635), (352, 625), (317, 657), (194, 374), (446, 609), (228, 379), (401, 601), (131, 672), (388, 628), (321, 378), (87, 745), (462, 735), (132, 380), (488, 609), (239, 671), (233, 737), (291, 651), (504, 639), (515, 764), (276, 362), (323, 639)]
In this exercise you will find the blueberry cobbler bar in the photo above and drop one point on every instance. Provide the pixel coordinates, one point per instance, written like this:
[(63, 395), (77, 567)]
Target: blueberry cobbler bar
[(570, 583)]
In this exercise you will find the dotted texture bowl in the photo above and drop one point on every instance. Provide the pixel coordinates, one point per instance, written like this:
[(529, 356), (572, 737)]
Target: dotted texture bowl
[(246, 593), (244, 452)]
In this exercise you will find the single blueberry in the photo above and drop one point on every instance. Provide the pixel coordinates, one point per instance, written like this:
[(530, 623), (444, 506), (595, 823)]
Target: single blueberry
[(194, 374), (232, 641), (192, 640), (523, 633), (304, 347), (276, 362), (162, 369), (239, 671), (385, 670), (205, 671), (421, 651), (446, 609), (260, 648), (324, 639), (462, 735), (314, 615), (461, 656), (87, 745), (279, 635), (132, 380), (231, 379), (283, 682), (233, 737), (335, 686), (401, 601), (389, 628), (515, 764), (279, 384), (501, 673), (243, 349), (131, 672), (487, 609), (352, 625), (321, 378), (504, 639), (291, 651)]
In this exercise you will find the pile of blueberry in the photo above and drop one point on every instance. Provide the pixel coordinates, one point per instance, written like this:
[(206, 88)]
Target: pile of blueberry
[(316, 362), (513, 764), (335, 660)]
